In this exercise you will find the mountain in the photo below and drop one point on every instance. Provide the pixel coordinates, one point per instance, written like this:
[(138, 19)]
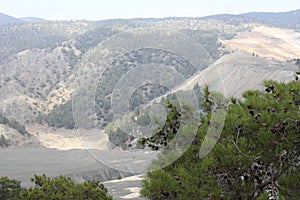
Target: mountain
[(285, 19), (235, 73), (41, 61), (5, 19), (32, 19), (282, 19), (48, 69)]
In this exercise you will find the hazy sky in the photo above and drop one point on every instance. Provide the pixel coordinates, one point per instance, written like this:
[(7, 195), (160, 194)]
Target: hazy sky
[(110, 9)]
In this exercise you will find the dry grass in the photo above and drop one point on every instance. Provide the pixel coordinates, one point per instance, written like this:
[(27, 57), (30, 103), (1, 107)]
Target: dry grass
[(280, 44)]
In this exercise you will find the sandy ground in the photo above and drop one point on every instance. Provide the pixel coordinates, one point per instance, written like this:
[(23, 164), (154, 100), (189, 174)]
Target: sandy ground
[(126, 188), (16, 140), (280, 44), (64, 139)]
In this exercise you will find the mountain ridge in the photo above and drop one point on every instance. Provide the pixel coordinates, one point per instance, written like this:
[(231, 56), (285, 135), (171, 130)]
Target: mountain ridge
[(4, 19), (8, 19), (264, 16), (39, 62)]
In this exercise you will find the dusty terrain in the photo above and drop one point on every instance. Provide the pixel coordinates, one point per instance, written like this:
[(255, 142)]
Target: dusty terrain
[(125, 188), (66, 139), (280, 44), (235, 73), (37, 76), (238, 72), (16, 140), (231, 75)]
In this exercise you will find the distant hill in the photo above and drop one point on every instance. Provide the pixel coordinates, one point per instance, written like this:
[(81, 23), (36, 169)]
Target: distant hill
[(279, 19), (32, 19), (285, 19), (5, 19)]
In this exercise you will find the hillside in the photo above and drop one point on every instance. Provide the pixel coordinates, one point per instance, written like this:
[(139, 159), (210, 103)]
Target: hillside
[(268, 42), (284, 19), (288, 19), (236, 73), (6, 19), (58, 78), (32, 19), (41, 63)]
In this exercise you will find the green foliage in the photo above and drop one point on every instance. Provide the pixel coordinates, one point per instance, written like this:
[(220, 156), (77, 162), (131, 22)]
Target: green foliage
[(258, 152), (19, 37), (145, 94), (58, 188), (3, 119), (140, 116), (63, 188), (119, 138), (3, 141), (12, 124), (9, 189), (207, 39), (290, 185), (60, 116), (207, 103), (168, 131), (123, 64), (198, 92), (92, 38)]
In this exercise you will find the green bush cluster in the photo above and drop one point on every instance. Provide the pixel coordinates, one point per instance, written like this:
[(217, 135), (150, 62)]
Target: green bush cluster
[(13, 124), (59, 116), (58, 188), (3, 141), (256, 157)]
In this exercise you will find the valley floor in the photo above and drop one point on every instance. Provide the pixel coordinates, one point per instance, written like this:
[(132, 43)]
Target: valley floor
[(109, 166)]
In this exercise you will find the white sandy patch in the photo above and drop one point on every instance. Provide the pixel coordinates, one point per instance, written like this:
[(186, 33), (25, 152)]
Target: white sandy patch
[(64, 139), (130, 178), (135, 192)]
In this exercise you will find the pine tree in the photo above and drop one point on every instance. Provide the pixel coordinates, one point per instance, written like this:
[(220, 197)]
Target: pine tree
[(256, 157)]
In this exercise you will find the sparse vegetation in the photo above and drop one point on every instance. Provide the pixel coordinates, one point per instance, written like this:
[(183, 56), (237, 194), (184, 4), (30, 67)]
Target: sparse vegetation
[(143, 94), (46, 35), (13, 124), (54, 48), (3, 141), (117, 136), (257, 154)]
